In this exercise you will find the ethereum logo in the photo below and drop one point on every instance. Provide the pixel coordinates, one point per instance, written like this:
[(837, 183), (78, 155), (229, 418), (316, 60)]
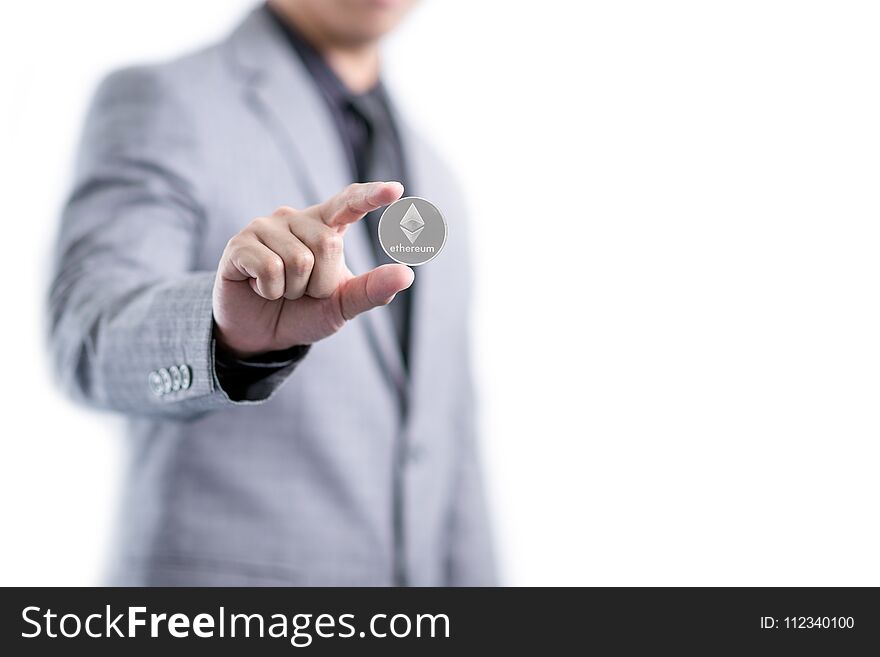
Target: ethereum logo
[(412, 223)]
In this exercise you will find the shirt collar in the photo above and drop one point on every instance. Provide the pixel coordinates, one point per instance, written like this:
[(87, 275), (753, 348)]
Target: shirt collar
[(325, 78)]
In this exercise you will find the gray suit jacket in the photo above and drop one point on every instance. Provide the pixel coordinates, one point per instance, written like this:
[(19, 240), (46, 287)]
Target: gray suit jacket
[(342, 469)]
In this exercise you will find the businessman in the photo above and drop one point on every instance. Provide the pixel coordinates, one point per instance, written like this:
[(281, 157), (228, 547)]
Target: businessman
[(299, 407)]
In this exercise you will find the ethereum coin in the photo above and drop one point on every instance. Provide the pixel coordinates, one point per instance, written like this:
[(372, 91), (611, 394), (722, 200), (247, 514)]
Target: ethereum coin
[(412, 231)]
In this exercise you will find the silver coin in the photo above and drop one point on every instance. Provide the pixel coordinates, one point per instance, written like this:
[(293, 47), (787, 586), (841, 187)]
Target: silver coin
[(412, 231)]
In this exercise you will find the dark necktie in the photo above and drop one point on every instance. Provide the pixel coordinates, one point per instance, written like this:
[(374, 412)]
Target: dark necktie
[(383, 161)]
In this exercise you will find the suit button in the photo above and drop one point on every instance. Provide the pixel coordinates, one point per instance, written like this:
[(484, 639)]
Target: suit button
[(166, 380), (156, 385), (175, 377), (185, 376)]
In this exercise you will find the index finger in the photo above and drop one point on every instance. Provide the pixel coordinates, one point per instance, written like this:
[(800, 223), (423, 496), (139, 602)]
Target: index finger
[(356, 200)]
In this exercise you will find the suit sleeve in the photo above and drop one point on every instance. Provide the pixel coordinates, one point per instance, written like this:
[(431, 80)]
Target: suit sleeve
[(131, 320)]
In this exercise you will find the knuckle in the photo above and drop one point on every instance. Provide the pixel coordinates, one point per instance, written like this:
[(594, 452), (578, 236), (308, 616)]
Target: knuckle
[(329, 245), (237, 241), (284, 212), (301, 262), (272, 266), (352, 194), (258, 224), (352, 203), (232, 249), (236, 248)]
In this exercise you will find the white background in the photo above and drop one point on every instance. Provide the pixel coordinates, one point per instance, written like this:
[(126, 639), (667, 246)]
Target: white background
[(678, 334)]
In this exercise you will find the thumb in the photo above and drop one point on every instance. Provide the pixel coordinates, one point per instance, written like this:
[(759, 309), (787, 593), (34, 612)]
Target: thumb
[(375, 288)]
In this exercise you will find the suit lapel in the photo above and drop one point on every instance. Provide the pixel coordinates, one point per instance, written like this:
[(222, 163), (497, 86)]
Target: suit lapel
[(280, 91)]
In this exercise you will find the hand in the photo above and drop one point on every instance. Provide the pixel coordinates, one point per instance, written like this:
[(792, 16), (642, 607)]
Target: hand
[(282, 281)]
